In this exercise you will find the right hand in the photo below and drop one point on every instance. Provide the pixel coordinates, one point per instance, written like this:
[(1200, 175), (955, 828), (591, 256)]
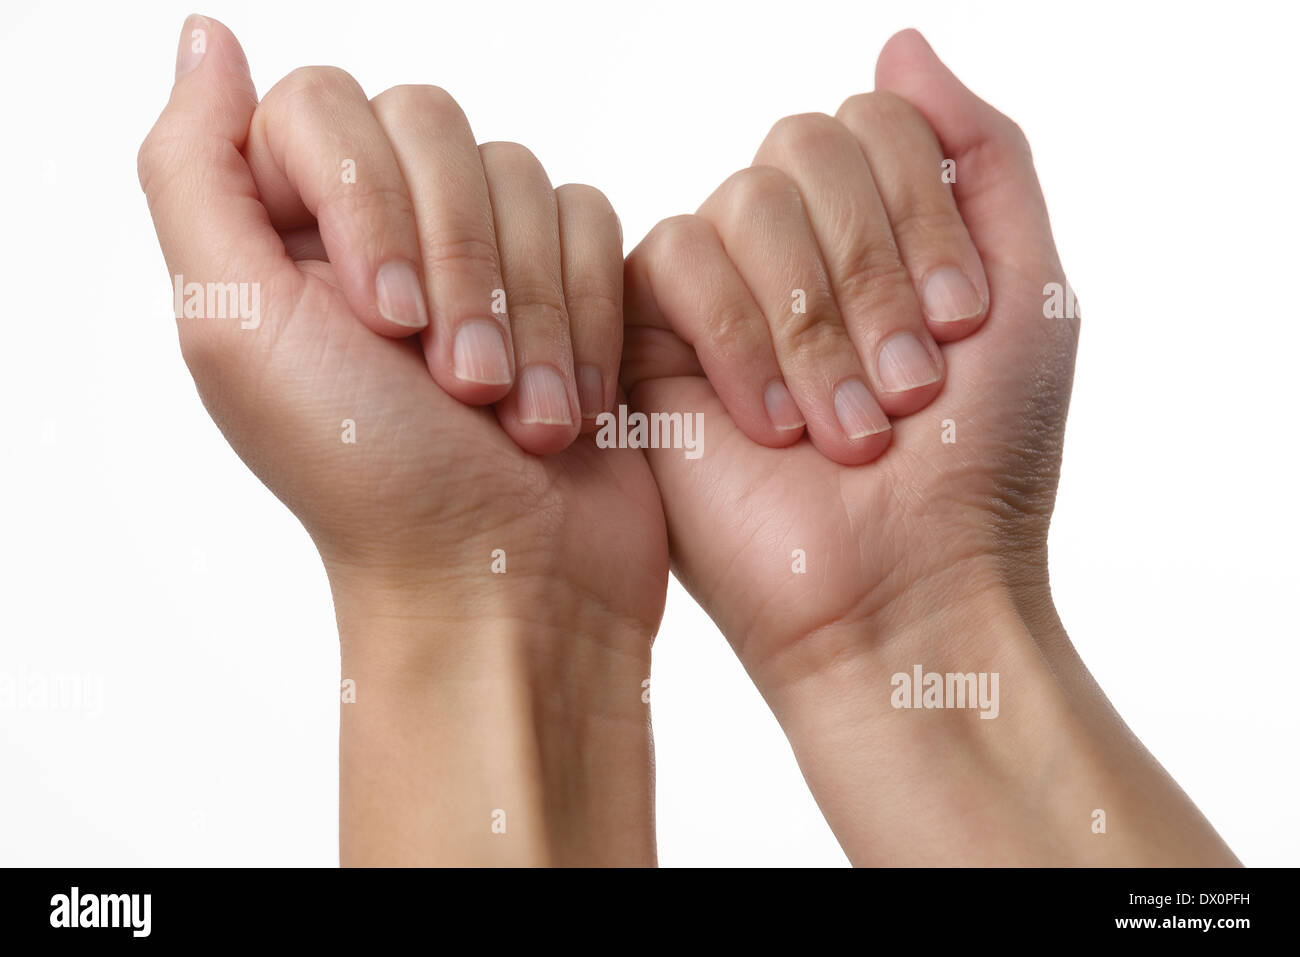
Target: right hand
[(933, 556), (930, 516)]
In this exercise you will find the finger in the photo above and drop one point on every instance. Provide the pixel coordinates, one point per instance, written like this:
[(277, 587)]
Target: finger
[(761, 220), (908, 167), (317, 152), (870, 282), (468, 347), (683, 288), (996, 188), (541, 412), (1002, 206), (591, 259), (210, 223)]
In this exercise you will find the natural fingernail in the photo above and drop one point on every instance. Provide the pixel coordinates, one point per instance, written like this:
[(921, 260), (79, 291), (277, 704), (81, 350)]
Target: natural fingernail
[(905, 364), (479, 353), (194, 43), (781, 408), (400, 298), (948, 295), (543, 399), (591, 391), (856, 408)]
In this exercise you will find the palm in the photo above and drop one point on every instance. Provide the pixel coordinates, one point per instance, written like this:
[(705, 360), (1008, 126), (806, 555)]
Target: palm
[(438, 483), (739, 514)]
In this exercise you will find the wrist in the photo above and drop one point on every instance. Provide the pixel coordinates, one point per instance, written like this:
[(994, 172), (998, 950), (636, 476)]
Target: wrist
[(949, 731), (507, 731)]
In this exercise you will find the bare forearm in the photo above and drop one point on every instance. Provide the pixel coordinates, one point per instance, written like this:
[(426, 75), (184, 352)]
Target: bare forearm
[(957, 734), (495, 739)]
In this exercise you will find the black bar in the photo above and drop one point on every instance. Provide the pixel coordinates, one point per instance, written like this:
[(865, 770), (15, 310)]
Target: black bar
[(441, 908)]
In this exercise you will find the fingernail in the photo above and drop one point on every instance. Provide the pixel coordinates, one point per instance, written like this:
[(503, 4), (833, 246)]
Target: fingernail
[(194, 43), (948, 295), (780, 405), (856, 408), (479, 354), (543, 399), (591, 391), (401, 300), (905, 364)]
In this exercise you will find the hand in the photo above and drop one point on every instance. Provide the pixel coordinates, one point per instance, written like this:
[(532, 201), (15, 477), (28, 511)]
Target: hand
[(829, 576), (855, 213), (350, 225)]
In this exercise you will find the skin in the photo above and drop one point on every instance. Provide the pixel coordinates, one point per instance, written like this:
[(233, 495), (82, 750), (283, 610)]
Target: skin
[(936, 553), (516, 698), (476, 692)]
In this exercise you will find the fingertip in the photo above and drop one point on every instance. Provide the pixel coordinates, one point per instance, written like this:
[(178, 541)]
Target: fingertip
[(956, 329), (541, 413), (854, 452), (399, 298), (954, 300), (469, 393), (213, 86), (593, 393), (764, 433), (900, 404), (778, 438), (193, 43), (205, 42), (537, 438), (475, 366), (904, 51)]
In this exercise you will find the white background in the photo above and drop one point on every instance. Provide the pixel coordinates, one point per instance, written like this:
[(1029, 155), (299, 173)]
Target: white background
[(136, 549)]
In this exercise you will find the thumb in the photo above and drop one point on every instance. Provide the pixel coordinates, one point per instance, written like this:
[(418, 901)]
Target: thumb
[(996, 187), (210, 223), (1013, 377), (1023, 356)]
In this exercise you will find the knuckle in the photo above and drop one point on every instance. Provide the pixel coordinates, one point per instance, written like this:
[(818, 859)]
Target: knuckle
[(733, 325), (874, 277), (1014, 135), (879, 109), (462, 250), (373, 200), (760, 186), (589, 297), (929, 220), (537, 302), (315, 87), (159, 152), (418, 99), (589, 203), (174, 161), (804, 133), (510, 157), (587, 199), (818, 329), (680, 237), (1003, 141)]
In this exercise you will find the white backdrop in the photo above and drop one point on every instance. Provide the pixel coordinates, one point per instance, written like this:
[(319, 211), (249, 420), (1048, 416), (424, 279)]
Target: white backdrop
[(140, 557)]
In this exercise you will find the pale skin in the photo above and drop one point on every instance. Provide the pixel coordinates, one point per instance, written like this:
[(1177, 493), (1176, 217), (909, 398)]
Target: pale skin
[(476, 692), (485, 697)]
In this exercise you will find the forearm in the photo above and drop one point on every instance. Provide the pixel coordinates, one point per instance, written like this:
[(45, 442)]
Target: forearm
[(1014, 774), (481, 735)]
